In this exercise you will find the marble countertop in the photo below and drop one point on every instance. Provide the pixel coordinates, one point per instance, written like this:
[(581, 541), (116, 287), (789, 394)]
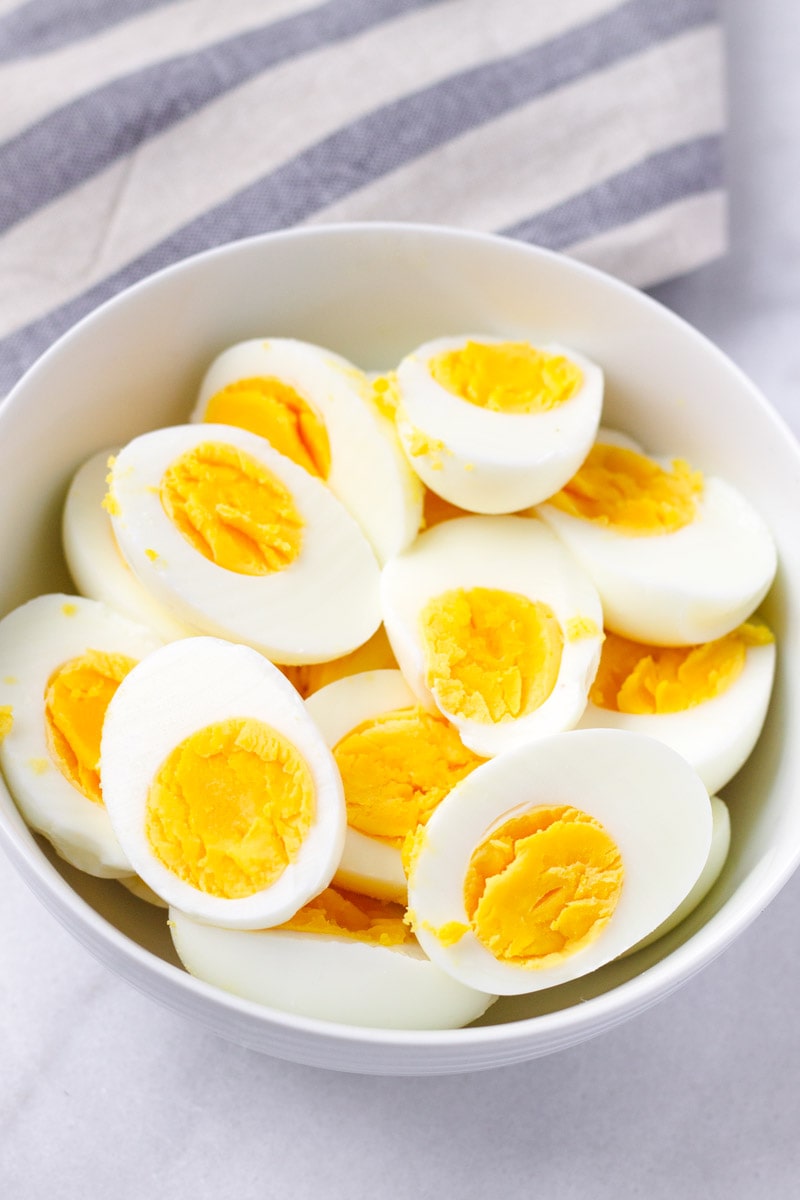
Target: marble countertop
[(104, 1093)]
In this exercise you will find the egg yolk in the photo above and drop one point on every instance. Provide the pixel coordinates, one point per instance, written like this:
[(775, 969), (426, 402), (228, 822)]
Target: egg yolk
[(637, 678), (435, 510), (338, 913), (631, 493), (542, 886), (507, 377), (75, 703), (6, 720), (275, 411), (374, 655), (490, 655), (230, 808), (397, 767), (232, 510)]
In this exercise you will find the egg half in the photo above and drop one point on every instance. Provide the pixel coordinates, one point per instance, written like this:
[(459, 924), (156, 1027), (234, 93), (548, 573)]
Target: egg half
[(342, 958), (494, 623), (494, 426), (556, 857), (316, 407), (219, 787), (62, 658)]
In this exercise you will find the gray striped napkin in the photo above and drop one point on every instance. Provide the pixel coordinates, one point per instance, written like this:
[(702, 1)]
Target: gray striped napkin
[(136, 132)]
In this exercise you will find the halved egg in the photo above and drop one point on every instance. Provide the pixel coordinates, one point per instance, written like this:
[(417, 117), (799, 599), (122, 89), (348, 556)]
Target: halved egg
[(316, 408), (678, 558), (494, 623), (397, 762), (494, 426), (342, 958), (238, 541), (62, 658), (219, 786), (95, 563), (556, 857), (708, 702)]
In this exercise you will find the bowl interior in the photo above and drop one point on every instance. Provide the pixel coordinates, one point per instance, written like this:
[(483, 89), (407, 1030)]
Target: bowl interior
[(372, 293)]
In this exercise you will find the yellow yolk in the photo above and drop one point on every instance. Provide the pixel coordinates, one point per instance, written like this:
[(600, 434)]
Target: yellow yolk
[(386, 394), (631, 493), (543, 885), (507, 377), (230, 808), (6, 720), (275, 411), (75, 703), (232, 510), (435, 510), (636, 678), (338, 913), (490, 655), (375, 654), (397, 767)]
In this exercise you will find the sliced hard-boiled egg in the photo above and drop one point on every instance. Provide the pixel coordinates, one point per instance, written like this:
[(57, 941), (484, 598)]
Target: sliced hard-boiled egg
[(708, 702), (717, 854), (62, 658), (342, 958), (240, 542), (677, 558), (555, 858), (494, 426), (316, 407), (94, 559), (220, 788), (493, 622), (375, 654), (397, 762)]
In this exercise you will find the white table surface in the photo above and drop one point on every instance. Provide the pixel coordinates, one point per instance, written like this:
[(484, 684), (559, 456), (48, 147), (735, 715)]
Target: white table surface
[(104, 1094)]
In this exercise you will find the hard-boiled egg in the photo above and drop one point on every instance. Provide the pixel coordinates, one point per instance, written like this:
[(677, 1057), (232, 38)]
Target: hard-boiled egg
[(220, 788), (93, 556), (238, 541), (677, 558), (493, 622), (342, 958), (494, 426), (552, 859), (61, 660), (316, 407), (708, 702), (397, 762)]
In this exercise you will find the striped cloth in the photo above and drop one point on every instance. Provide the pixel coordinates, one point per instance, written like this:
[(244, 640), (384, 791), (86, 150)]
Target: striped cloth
[(136, 132)]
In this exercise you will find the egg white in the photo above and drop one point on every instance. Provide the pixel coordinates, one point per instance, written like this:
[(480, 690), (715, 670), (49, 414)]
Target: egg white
[(646, 796), (681, 588), (331, 978), (35, 640), (322, 606), (486, 461), (93, 556), (179, 690), (715, 737), (513, 554), (368, 470)]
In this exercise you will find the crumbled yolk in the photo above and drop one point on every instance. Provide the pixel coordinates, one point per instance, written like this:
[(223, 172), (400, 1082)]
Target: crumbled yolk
[(543, 885), (230, 808), (376, 654), (386, 394), (581, 627), (6, 720), (631, 493), (507, 377), (636, 678), (338, 913), (490, 655), (277, 412), (75, 703), (397, 767), (232, 510)]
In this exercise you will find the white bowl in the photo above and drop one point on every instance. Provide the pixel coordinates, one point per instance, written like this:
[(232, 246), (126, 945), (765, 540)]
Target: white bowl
[(372, 292)]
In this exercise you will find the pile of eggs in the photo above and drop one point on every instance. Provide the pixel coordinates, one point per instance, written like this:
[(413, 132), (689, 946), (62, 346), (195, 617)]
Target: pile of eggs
[(399, 693)]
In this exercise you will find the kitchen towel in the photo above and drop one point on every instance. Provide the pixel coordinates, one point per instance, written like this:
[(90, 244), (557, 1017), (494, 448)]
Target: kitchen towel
[(136, 132)]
